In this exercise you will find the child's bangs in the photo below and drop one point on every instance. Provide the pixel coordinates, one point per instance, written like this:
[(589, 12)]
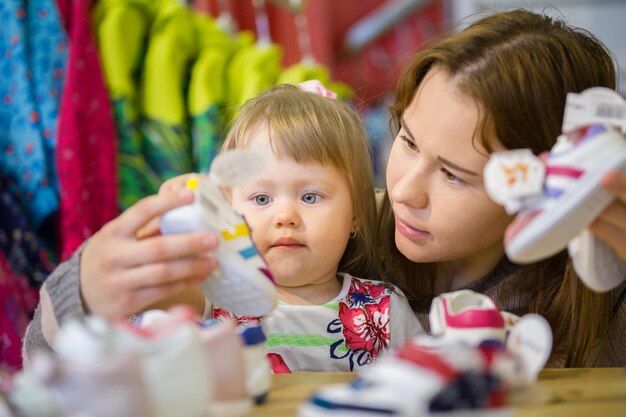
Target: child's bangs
[(303, 141)]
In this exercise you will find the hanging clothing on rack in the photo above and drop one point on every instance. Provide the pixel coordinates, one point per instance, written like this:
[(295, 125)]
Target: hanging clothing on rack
[(176, 79), (17, 303), (172, 46), (308, 68), (252, 69), (33, 53), (26, 251), (207, 99), (86, 146), (24, 264), (122, 28)]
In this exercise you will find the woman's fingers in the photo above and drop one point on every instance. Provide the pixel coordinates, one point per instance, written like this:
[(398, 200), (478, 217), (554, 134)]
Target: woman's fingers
[(112, 289), (141, 213), (135, 301), (152, 228), (173, 185), (615, 182), (162, 248), (615, 215), (615, 237), (165, 273), (610, 226)]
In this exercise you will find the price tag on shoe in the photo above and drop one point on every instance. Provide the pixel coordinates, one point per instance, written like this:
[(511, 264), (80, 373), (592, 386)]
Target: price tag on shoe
[(594, 105)]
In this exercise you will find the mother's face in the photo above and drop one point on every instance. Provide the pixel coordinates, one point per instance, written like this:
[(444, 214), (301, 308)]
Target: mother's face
[(435, 183)]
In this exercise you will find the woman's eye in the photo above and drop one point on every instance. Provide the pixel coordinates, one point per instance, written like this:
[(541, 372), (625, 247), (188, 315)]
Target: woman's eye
[(451, 177), (261, 199), (408, 143), (311, 198)]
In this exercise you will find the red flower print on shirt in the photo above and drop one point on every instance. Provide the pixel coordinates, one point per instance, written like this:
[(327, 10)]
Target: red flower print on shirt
[(366, 327), (362, 292)]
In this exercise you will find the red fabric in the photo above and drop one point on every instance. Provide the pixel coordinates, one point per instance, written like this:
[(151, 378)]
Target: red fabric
[(86, 145), (17, 303)]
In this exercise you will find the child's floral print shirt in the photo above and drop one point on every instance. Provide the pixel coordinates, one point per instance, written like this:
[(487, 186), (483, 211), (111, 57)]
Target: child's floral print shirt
[(344, 334)]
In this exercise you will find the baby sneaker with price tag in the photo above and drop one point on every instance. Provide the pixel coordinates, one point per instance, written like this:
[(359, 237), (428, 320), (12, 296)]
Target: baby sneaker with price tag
[(557, 198)]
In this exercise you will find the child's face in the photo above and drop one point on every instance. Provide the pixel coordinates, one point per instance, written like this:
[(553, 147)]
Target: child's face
[(300, 216), (435, 182)]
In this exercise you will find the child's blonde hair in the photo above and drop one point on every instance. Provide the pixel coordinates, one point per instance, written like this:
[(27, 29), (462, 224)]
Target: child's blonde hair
[(308, 128)]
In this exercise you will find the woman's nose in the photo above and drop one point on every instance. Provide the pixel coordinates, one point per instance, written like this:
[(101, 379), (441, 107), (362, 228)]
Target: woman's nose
[(410, 189)]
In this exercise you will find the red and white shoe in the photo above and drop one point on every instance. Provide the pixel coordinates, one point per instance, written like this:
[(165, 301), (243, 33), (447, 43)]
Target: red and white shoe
[(568, 199), (418, 381), (466, 317)]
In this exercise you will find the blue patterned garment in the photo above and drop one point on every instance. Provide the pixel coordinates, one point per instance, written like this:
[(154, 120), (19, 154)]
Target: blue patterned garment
[(33, 54), (26, 253)]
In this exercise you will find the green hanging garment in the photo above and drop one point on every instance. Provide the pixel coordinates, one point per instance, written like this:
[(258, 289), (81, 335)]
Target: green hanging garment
[(207, 88), (172, 47), (122, 26), (252, 69)]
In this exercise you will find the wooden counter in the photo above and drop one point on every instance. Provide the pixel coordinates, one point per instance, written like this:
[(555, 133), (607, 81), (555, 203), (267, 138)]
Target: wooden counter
[(559, 392)]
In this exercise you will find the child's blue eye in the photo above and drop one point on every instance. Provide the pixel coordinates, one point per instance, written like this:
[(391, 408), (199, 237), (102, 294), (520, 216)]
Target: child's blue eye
[(310, 198), (261, 199)]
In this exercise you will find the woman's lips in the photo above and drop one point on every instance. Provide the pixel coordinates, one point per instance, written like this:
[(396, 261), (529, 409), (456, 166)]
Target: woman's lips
[(411, 232)]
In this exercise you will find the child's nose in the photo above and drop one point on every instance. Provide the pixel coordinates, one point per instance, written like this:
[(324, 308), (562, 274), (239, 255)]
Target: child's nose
[(287, 216)]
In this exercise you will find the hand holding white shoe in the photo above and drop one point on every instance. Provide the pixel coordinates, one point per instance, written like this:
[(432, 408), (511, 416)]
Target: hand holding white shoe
[(122, 271), (573, 192), (242, 283), (610, 226), (605, 106)]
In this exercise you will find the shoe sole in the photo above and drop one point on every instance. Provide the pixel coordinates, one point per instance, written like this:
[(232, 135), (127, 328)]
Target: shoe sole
[(549, 232), (240, 288), (311, 410)]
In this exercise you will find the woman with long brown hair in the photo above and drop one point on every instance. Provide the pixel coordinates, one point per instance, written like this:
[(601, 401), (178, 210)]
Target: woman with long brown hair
[(499, 84)]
